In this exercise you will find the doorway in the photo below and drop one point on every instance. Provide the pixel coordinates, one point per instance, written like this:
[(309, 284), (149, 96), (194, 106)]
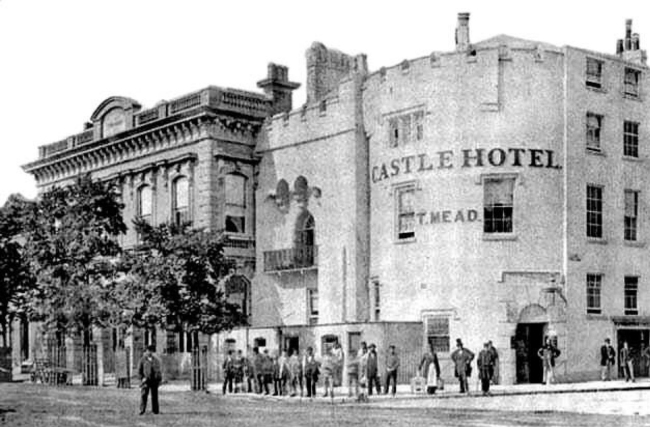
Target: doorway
[(292, 345), (354, 343), (637, 341), (529, 338)]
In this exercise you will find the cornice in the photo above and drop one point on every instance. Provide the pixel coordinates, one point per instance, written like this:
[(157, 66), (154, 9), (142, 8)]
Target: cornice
[(111, 152)]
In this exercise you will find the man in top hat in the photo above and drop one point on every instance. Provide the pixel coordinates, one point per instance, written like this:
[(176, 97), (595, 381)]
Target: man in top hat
[(150, 373), (462, 358), (485, 363), (607, 360), (373, 371)]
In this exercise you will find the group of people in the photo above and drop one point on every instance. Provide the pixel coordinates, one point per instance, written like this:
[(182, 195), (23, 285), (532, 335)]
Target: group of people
[(290, 373), (627, 360), (487, 362)]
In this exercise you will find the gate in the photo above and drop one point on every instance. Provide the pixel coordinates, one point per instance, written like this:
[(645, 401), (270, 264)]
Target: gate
[(199, 368), (89, 365), (53, 369), (5, 364)]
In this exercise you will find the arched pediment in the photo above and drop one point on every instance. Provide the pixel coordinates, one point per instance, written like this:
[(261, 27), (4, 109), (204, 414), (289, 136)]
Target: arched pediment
[(123, 103), (114, 115)]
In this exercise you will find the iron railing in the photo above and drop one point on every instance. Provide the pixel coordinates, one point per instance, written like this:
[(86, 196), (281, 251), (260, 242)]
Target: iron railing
[(300, 257)]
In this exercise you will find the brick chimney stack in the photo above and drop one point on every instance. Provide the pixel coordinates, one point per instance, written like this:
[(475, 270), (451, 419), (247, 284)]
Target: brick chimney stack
[(629, 48), (278, 87), (462, 33)]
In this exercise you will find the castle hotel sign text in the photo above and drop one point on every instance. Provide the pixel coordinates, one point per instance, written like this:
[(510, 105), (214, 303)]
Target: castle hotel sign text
[(476, 157)]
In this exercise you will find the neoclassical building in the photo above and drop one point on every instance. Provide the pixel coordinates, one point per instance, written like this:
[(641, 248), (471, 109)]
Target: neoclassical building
[(189, 159), (492, 192)]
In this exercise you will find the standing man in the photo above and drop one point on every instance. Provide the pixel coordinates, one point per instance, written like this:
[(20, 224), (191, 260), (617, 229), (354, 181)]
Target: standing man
[(627, 362), (353, 375), (548, 353), (249, 372), (311, 372), (485, 364), (338, 358), (238, 371), (228, 372), (150, 373), (267, 370), (295, 371), (363, 372), (392, 363), (462, 358), (372, 367), (495, 358), (607, 360), (258, 365)]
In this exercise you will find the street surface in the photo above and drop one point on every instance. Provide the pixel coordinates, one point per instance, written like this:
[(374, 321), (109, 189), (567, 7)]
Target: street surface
[(37, 405)]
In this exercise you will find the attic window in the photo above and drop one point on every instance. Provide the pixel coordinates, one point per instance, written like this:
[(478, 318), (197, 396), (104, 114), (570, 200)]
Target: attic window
[(405, 65)]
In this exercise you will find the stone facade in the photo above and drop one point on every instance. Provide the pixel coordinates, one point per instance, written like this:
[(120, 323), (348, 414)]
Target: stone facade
[(444, 197)]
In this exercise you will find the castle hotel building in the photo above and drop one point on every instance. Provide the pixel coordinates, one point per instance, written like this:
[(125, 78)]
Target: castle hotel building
[(498, 192)]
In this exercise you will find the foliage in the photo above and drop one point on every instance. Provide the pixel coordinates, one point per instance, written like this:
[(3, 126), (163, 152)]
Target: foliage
[(16, 279), (175, 277), (71, 241)]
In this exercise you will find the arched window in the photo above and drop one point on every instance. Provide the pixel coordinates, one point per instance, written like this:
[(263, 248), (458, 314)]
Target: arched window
[(235, 189), (305, 230), (181, 201), (145, 205), (282, 194), (301, 188)]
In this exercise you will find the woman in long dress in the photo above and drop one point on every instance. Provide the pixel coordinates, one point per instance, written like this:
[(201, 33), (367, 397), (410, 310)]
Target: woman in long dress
[(430, 370)]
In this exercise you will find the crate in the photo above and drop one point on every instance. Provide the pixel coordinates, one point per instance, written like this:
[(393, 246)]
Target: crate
[(418, 385)]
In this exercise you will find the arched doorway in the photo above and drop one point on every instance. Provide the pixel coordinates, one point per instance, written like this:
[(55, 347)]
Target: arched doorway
[(529, 338)]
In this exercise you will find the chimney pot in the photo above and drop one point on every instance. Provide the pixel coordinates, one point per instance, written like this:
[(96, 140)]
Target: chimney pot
[(462, 32)]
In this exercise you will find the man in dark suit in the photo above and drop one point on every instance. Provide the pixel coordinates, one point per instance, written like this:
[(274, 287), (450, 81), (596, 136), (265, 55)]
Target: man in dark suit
[(150, 373), (373, 376), (462, 359), (607, 360)]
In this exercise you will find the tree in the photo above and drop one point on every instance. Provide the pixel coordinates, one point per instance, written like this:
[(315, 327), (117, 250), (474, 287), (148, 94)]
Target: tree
[(16, 279), (175, 277), (71, 241)]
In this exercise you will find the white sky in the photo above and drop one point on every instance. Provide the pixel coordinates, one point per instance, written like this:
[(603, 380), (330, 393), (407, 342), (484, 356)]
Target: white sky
[(59, 59)]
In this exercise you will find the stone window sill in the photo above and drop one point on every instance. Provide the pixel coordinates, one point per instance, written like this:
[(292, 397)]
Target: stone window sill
[(632, 159), (597, 240), (596, 89), (490, 237), (595, 152), (634, 243)]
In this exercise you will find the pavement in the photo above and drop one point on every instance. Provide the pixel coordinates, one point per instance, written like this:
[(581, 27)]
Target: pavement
[(451, 391)]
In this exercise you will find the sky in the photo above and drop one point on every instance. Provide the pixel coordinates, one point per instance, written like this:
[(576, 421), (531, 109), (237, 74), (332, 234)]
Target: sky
[(59, 59)]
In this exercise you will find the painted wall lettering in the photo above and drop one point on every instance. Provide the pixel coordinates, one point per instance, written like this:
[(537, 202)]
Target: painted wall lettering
[(469, 158), (447, 216)]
